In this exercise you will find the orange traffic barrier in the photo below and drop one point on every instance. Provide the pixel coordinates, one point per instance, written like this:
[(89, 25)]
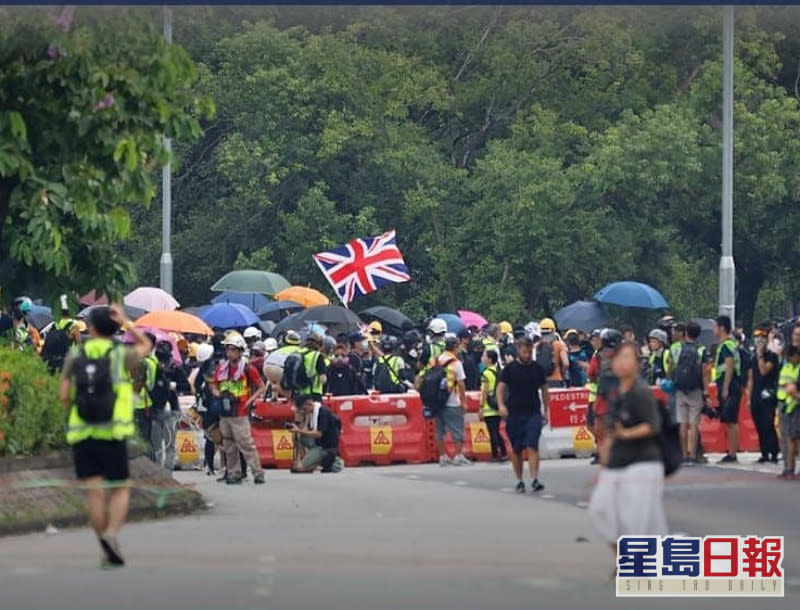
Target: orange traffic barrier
[(477, 445), (273, 441), (382, 429)]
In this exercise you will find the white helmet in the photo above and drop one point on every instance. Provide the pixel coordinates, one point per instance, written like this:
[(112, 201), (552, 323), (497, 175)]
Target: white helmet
[(437, 326), (236, 340), (204, 352), (270, 345), (658, 335), (252, 332)]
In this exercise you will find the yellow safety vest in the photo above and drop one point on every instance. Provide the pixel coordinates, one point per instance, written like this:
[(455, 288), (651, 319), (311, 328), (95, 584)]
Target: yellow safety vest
[(789, 373), (121, 425), (489, 344), (394, 364), (491, 382), (666, 359), (310, 363), (150, 364), (719, 364)]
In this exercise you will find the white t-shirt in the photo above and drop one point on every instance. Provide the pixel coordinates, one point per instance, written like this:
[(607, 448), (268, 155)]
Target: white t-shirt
[(454, 375)]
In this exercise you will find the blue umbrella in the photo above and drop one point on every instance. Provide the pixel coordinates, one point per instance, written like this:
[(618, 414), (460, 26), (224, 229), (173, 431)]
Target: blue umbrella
[(40, 316), (253, 300), (632, 294), (276, 310), (581, 315), (454, 323), (229, 315)]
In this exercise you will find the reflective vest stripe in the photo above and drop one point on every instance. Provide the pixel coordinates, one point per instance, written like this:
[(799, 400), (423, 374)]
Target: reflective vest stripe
[(491, 380), (719, 364)]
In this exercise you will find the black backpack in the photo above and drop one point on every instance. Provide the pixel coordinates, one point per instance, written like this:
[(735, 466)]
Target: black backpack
[(94, 388), (545, 356), (55, 349), (670, 441), (472, 380), (383, 378), (689, 369), (433, 389), (295, 376), (159, 394)]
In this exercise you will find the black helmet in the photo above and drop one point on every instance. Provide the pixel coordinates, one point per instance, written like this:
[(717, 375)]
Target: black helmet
[(388, 344), (611, 338), (164, 351), (412, 337)]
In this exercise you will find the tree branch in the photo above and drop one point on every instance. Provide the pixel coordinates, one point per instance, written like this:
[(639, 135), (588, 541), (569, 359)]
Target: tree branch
[(468, 58)]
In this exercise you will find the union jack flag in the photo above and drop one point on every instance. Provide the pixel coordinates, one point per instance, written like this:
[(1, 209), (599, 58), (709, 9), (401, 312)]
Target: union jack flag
[(363, 266)]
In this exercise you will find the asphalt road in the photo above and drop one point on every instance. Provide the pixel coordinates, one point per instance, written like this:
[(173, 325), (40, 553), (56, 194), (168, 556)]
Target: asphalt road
[(390, 538)]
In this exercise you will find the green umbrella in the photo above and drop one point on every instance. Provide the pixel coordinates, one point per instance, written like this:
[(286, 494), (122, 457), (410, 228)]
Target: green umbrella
[(251, 280)]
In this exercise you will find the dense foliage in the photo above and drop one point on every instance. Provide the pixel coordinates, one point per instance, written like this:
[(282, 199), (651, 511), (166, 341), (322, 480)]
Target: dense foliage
[(526, 156), (32, 420)]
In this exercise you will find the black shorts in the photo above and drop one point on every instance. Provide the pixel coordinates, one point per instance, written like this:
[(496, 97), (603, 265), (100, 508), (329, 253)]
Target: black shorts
[(106, 459), (729, 409), (524, 431)]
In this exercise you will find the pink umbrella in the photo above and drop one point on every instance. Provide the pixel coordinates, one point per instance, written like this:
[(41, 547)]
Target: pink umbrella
[(470, 318), (92, 298), (151, 299), (160, 336)]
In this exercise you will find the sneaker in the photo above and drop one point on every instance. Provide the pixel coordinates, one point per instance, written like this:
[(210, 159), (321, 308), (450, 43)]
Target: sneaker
[(774, 459), (234, 480), (223, 478), (520, 488), (111, 549), (762, 460), (690, 461), (445, 461), (259, 479), (209, 471), (595, 460), (461, 460), (536, 485), (728, 459)]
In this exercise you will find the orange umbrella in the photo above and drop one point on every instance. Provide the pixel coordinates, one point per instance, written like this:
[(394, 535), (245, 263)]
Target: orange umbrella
[(177, 321), (308, 297)]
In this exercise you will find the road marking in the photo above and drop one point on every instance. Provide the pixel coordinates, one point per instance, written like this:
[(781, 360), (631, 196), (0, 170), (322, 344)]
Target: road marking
[(266, 578), (507, 490), (548, 496), (263, 592), (582, 504), (412, 477), (460, 483)]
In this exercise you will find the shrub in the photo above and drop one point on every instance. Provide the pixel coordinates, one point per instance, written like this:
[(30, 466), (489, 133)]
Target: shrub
[(32, 419)]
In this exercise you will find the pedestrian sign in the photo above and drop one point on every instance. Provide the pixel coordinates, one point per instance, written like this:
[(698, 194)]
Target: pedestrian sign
[(282, 445), (480, 438), (582, 439), (380, 440)]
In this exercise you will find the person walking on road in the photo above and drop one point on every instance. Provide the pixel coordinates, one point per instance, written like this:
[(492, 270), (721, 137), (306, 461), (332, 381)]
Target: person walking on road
[(451, 417), (526, 414), (96, 388), (628, 497), (490, 414), (239, 385), (762, 385), (691, 377), (728, 377)]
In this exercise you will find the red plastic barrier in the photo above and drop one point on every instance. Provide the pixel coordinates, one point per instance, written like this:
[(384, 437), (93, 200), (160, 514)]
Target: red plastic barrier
[(273, 442), (382, 429), (477, 445)]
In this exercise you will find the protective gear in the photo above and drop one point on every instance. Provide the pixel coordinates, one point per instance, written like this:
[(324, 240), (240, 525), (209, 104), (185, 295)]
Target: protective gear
[(328, 343), (236, 340), (611, 338), (292, 338), (252, 332), (315, 337), (505, 327), (270, 345), (788, 374), (259, 347), (547, 325), (388, 344), (533, 330), (163, 351), (489, 376), (22, 305), (659, 335), (595, 333), (437, 326), (570, 332), (204, 352), (121, 425), (375, 328), (718, 372)]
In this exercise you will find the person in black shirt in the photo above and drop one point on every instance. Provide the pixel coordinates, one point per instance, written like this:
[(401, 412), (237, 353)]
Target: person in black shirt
[(343, 378), (762, 385), (523, 379), (319, 435), (473, 378)]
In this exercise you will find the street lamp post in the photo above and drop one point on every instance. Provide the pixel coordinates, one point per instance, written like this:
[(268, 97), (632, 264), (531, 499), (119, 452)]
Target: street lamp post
[(727, 269), (166, 190)]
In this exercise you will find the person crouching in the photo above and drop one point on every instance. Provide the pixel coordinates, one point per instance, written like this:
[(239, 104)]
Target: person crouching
[(319, 434)]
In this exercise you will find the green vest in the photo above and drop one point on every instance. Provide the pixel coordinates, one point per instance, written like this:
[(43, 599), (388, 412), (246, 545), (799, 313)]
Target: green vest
[(489, 344), (121, 425), (310, 357), (719, 365), (394, 364), (490, 377), (288, 349), (64, 324), (150, 364), (789, 374)]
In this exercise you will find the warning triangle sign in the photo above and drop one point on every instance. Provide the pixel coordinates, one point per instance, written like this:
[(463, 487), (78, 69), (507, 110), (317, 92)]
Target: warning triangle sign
[(481, 437), (188, 446), (284, 444), (380, 439), (583, 434)]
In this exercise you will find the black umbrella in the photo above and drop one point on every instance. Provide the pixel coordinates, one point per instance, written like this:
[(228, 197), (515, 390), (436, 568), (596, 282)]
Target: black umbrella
[(134, 313), (707, 337), (388, 317), (336, 319), (581, 315)]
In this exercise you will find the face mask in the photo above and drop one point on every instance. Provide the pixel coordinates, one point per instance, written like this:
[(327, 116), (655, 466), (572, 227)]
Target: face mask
[(365, 345)]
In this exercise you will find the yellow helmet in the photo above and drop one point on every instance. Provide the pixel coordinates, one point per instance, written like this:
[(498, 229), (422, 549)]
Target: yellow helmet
[(505, 327), (375, 327), (547, 325)]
